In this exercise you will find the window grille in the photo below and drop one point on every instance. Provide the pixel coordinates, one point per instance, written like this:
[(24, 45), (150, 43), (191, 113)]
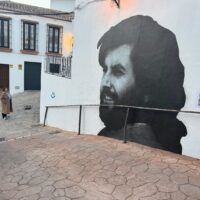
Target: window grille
[(60, 66)]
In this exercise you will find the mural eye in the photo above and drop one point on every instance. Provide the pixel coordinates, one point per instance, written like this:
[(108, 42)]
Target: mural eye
[(118, 72)]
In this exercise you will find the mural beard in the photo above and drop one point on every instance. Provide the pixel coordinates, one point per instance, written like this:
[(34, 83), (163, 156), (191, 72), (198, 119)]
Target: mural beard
[(114, 117)]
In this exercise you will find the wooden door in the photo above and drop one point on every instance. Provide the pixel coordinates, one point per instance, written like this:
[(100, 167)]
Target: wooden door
[(4, 76)]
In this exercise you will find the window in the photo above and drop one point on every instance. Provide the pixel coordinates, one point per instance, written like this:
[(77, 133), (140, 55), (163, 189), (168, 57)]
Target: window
[(54, 39), (4, 33), (29, 35), (60, 66), (54, 68)]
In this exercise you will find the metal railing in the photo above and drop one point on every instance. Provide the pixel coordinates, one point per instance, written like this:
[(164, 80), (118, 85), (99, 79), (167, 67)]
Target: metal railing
[(62, 63), (117, 106)]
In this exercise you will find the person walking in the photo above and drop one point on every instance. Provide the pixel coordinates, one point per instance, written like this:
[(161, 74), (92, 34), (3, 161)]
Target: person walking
[(5, 103)]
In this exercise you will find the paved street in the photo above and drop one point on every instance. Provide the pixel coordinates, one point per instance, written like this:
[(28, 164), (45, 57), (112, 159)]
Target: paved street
[(22, 122), (57, 165), (65, 166)]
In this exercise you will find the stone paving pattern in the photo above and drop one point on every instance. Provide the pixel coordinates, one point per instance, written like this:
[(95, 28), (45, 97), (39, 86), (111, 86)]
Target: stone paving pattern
[(52, 164), (66, 166)]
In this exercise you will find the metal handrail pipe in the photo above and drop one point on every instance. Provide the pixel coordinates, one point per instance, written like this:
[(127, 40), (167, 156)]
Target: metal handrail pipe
[(118, 106), (126, 106)]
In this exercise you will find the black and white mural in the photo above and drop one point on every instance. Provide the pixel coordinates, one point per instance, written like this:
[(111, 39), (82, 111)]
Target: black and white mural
[(141, 67), (144, 54)]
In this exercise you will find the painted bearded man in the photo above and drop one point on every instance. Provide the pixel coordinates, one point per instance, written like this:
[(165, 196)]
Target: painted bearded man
[(141, 67)]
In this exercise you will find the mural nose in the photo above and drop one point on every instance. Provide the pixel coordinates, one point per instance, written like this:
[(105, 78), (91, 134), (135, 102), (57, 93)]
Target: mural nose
[(106, 81)]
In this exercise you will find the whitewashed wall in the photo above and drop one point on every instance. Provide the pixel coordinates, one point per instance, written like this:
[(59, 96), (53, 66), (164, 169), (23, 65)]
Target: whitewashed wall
[(16, 58), (91, 22), (16, 75)]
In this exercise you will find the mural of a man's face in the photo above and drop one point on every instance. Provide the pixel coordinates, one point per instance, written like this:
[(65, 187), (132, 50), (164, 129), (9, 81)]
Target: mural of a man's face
[(118, 80), (117, 86), (141, 67)]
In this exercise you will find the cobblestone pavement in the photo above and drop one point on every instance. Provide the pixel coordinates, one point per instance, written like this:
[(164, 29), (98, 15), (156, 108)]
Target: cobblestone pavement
[(66, 166), (22, 122)]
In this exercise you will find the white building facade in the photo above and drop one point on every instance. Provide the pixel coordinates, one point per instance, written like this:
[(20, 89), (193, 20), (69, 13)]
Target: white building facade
[(93, 19), (31, 43)]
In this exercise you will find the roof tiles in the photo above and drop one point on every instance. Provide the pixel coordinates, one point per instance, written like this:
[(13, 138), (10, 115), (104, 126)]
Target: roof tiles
[(20, 9)]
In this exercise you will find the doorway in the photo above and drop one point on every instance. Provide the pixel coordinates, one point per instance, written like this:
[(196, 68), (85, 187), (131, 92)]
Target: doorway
[(4, 76), (32, 76)]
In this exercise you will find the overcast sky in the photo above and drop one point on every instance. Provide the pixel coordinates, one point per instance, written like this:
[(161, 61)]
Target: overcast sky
[(41, 3)]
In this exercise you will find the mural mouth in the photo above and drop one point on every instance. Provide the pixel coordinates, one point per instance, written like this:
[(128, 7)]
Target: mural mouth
[(108, 99)]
